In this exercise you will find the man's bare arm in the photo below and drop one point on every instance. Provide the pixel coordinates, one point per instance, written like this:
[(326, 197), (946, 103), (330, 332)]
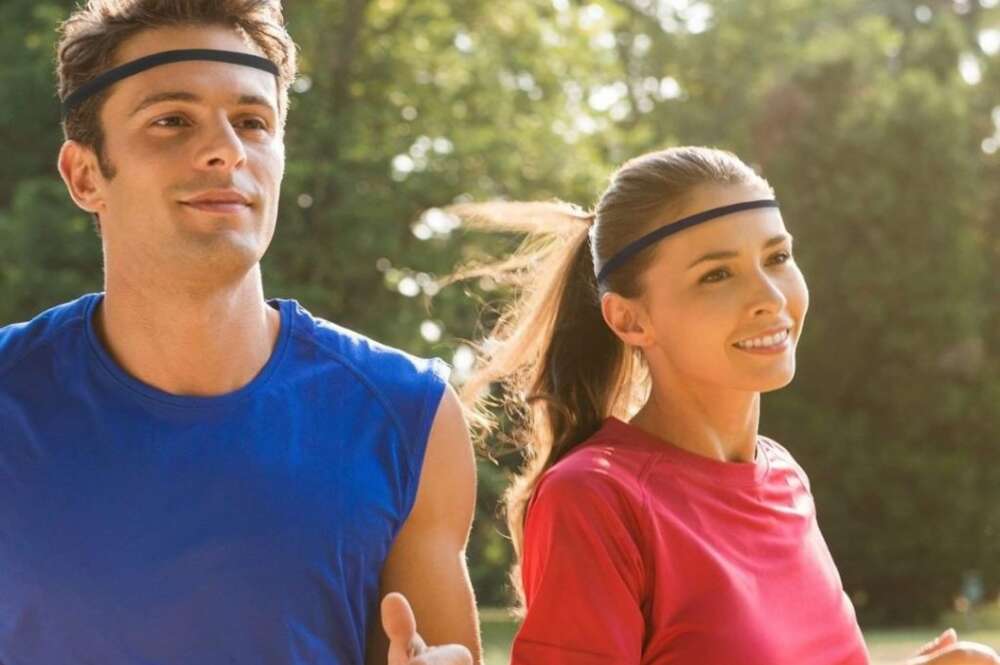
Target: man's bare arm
[(427, 561)]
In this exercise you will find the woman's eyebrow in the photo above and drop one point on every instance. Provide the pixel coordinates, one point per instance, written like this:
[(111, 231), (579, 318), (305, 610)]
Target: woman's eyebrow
[(730, 254)]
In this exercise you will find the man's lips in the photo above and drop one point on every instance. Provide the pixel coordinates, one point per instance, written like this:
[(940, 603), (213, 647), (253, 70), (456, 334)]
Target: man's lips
[(230, 196), (219, 201), (226, 207)]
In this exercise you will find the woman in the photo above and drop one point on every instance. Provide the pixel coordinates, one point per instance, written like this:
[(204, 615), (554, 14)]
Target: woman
[(652, 523)]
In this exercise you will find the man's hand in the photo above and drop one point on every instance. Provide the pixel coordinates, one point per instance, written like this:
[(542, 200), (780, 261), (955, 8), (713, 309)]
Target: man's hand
[(947, 650), (406, 646)]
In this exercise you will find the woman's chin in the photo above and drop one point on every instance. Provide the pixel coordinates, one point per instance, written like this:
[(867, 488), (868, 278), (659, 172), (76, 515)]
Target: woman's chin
[(775, 378), (778, 385)]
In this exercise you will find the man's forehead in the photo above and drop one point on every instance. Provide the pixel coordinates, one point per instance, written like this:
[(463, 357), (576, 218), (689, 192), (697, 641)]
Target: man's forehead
[(199, 78), (155, 40), (200, 82)]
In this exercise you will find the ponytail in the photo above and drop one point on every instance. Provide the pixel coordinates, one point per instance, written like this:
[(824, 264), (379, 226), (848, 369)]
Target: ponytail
[(560, 368)]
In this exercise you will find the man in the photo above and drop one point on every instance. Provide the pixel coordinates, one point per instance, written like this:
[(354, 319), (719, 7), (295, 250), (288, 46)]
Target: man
[(190, 473)]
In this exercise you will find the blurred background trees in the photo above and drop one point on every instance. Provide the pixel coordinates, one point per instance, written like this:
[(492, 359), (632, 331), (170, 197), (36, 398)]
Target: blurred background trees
[(877, 121)]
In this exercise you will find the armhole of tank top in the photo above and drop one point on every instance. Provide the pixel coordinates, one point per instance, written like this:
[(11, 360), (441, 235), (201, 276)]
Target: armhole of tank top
[(78, 319), (435, 381)]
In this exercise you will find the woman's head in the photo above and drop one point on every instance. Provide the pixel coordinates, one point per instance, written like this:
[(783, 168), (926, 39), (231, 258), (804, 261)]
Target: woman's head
[(719, 305), (650, 190), (570, 352)]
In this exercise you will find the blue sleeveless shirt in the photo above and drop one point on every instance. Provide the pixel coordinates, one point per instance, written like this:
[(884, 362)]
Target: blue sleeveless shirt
[(147, 528)]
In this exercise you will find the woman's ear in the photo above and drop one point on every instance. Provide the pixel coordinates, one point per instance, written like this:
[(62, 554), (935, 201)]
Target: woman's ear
[(79, 170), (628, 319)]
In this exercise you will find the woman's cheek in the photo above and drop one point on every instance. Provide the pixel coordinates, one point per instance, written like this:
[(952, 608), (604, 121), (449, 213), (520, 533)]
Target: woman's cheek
[(798, 294)]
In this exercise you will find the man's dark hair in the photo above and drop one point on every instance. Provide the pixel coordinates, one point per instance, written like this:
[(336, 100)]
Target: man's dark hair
[(90, 37)]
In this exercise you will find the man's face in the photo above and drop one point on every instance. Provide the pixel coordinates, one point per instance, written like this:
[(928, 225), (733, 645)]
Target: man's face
[(199, 155)]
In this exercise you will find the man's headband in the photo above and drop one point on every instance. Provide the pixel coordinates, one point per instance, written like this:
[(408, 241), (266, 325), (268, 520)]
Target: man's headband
[(633, 248), (115, 74)]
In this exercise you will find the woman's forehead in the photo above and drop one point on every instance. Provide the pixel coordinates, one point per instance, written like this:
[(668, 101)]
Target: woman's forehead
[(706, 197), (748, 231)]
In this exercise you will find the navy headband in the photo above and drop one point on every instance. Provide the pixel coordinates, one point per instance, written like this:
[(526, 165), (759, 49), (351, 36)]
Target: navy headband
[(115, 74), (659, 234)]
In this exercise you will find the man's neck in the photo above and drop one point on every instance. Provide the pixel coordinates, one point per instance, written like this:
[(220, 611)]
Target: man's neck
[(199, 344)]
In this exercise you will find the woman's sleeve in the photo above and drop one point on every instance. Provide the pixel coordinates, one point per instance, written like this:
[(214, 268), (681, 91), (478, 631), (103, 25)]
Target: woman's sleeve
[(582, 573)]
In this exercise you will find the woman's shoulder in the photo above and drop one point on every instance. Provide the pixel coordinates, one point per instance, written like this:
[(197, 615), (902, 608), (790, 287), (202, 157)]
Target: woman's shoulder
[(601, 468), (597, 490), (782, 461)]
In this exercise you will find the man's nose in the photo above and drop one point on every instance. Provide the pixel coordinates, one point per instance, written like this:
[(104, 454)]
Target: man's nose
[(223, 148)]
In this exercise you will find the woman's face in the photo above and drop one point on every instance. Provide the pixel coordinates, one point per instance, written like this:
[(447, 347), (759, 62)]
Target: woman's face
[(714, 290)]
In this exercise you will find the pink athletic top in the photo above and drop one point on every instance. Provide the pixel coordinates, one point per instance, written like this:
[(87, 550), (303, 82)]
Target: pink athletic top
[(637, 551)]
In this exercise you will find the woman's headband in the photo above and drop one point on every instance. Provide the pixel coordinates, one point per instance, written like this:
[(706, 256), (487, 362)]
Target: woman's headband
[(115, 74), (633, 248)]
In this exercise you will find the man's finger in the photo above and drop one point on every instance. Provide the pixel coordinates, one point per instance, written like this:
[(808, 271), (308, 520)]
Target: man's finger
[(397, 618), (452, 654), (400, 626)]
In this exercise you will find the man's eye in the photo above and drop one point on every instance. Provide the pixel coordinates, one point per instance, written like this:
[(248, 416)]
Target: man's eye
[(255, 124), (170, 121)]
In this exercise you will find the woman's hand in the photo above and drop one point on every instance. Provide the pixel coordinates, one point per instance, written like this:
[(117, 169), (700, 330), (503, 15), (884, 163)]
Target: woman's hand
[(947, 650)]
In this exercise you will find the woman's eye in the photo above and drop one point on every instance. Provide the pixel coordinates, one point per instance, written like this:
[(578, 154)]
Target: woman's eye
[(721, 273), (785, 257), (714, 276)]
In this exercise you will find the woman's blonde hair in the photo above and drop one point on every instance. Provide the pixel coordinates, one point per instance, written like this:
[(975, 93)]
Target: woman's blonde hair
[(561, 370)]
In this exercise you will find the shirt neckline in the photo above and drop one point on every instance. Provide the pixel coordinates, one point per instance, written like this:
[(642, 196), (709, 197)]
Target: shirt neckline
[(154, 394), (740, 473)]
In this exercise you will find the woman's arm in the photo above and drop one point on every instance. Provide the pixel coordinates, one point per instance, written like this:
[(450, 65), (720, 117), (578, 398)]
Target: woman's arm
[(583, 574), (947, 650)]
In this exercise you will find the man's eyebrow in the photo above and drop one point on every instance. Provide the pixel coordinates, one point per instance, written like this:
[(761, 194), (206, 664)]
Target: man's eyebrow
[(257, 100), (729, 254), (170, 96), (182, 96)]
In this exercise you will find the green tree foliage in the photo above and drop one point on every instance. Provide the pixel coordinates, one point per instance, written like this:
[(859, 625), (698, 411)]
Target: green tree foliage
[(878, 122)]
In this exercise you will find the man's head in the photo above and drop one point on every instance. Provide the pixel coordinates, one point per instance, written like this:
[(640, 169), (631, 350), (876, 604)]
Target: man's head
[(141, 151), (91, 36)]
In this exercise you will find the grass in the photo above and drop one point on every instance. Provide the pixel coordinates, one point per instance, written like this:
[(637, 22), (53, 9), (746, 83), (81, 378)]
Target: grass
[(498, 633), (886, 646)]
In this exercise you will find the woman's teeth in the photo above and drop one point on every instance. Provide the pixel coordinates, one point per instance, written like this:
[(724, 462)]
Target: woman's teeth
[(763, 342)]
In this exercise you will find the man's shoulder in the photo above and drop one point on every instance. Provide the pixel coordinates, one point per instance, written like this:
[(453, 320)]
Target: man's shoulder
[(391, 372), (49, 328)]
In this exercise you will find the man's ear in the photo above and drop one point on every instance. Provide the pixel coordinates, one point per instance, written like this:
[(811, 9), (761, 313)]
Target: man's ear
[(628, 320), (80, 171)]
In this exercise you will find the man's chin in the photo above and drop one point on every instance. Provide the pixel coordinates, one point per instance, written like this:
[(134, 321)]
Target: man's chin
[(221, 255)]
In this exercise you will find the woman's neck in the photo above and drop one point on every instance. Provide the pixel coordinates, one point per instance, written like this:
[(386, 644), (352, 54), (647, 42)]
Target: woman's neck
[(705, 421)]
